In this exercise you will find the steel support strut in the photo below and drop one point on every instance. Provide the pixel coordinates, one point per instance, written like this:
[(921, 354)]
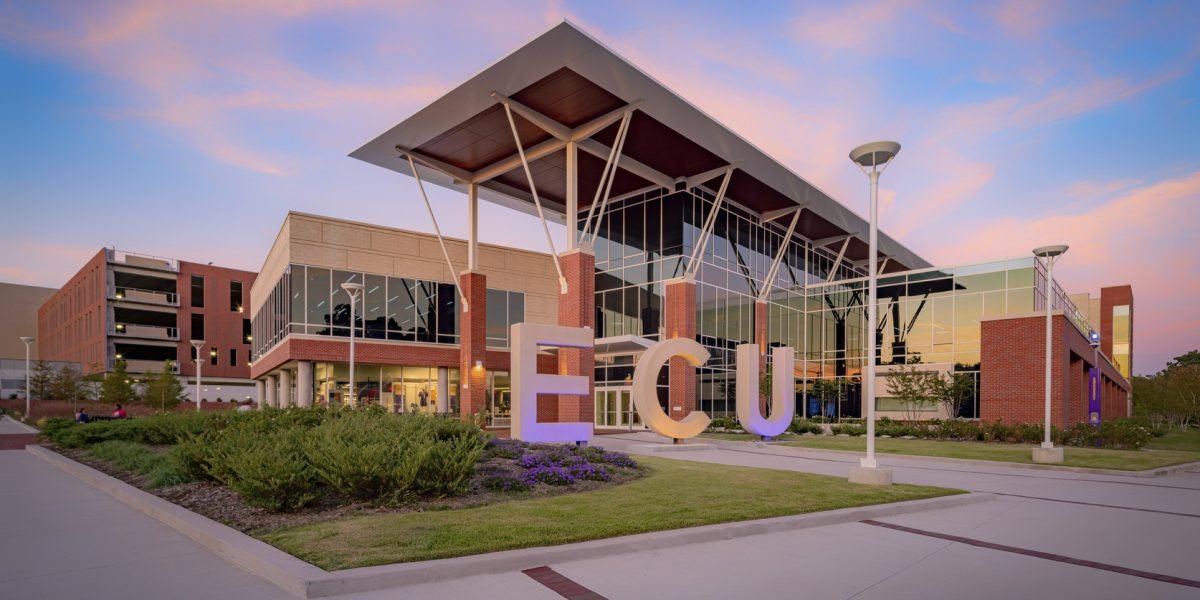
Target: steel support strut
[(706, 231), (537, 203), (438, 231)]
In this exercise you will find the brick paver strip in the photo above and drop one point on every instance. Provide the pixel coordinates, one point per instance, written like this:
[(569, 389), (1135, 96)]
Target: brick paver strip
[(1039, 554), (17, 441), (561, 585)]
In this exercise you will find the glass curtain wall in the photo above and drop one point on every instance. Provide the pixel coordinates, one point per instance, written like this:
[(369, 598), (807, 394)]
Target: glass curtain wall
[(310, 300), (647, 239), (398, 389)]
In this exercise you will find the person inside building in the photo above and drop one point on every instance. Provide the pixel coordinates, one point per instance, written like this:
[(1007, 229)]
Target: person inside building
[(119, 413)]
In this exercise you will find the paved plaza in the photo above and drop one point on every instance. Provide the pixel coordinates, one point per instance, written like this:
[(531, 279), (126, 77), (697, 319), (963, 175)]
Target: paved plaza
[(1048, 534)]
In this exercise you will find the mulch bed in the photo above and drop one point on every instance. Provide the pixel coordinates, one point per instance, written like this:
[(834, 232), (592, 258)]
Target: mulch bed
[(224, 505)]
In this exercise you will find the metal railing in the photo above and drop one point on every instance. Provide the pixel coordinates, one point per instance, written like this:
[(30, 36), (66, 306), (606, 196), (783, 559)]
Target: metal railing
[(134, 365), (155, 332), (145, 261), (147, 296)]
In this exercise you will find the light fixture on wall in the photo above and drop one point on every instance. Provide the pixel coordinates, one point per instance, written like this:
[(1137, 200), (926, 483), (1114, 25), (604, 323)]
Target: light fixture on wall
[(479, 364)]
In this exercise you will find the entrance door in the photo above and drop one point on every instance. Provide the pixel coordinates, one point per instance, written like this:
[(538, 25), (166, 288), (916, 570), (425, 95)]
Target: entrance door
[(614, 408)]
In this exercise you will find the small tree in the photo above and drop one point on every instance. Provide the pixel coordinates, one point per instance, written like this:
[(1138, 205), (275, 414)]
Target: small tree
[(952, 390), (912, 387), (828, 390), (70, 385), (162, 389), (116, 388), (41, 381)]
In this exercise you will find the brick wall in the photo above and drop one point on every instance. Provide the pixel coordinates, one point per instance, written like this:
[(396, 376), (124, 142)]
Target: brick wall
[(473, 339), (1012, 373), (679, 315), (73, 323), (222, 322), (576, 308)]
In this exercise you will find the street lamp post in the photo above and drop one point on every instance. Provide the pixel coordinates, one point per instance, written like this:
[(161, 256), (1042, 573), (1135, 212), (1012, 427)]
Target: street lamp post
[(352, 290), (198, 344), (875, 156), (28, 340), (1047, 453)]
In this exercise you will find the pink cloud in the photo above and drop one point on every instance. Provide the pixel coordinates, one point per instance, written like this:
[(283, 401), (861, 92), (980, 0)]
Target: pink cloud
[(1144, 237)]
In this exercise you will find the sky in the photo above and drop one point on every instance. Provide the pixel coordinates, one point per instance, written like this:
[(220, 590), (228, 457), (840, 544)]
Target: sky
[(189, 129)]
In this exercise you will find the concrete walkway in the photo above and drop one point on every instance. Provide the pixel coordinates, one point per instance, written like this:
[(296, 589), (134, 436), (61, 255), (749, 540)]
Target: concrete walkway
[(61, 538)]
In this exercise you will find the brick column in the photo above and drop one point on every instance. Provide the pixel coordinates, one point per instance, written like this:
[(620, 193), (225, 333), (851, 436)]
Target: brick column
[(577, 308), (679, 315), (472, 329), (760, 338)]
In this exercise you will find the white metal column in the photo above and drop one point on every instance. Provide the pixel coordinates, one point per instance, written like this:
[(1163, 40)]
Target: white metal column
[(472, 227), (572, 199)]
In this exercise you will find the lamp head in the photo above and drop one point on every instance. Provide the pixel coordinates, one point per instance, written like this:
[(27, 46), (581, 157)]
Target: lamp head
[(875, 154), (197, 343), (352, 288), (1050, 251), (27, 339)]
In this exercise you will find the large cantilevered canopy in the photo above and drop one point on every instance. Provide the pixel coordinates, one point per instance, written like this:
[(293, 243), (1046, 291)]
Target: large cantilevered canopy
[(567, 88)]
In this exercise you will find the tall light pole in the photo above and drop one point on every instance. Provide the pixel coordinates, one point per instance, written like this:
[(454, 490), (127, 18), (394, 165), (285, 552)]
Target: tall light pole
[(1048, 453), (876, 156), (28, 340), (198, 344), (352, 290)]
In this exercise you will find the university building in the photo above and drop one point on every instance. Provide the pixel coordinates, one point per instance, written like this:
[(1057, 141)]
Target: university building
[(144, 311), (677, 227)]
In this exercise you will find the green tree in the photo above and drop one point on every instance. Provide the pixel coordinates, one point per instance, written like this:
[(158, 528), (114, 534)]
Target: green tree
[(952, 390), (912, 387), (41, 381), (162, 389), (117, 387), (69, 385), (1191, 359)]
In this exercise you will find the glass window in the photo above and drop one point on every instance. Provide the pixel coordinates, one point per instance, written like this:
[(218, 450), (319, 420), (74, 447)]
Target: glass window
[(233, 357), (296, 286), (447, 314), (197, 291), (981, 282), (235, 296), (246, 336), (497, 318), (1020, 277), (197, 326), (426, 295), (317, 300), (401, 309), (374, 307), (213, 355)]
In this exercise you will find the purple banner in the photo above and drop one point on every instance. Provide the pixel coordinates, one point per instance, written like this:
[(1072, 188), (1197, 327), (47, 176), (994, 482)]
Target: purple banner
[(1094, 396)]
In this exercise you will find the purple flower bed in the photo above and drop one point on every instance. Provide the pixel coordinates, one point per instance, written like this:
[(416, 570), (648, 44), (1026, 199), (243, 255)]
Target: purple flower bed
[(550, 464)]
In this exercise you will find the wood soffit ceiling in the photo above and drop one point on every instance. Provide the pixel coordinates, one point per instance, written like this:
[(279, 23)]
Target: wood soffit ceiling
[(572, 100)]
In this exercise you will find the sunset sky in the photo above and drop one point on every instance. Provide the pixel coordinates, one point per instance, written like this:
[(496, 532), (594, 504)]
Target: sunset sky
[(188, 129)]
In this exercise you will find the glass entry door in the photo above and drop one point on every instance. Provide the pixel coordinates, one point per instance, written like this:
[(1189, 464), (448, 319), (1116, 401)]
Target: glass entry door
[(614, 408)]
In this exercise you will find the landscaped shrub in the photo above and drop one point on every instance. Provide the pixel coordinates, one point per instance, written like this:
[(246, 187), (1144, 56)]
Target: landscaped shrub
[(588, 471), (139, 458), (800, 426), (725, 424), (503, 448), (448, 467), (358, 457), (956, 429), (268, 470), (854, 429)]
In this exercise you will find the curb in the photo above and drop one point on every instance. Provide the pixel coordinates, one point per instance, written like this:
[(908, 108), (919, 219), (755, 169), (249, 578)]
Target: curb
[(259, 558), (20, 425), (1155, 472), (308, 581)]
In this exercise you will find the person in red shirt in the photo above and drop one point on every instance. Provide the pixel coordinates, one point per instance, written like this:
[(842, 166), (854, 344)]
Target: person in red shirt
[(119, 413)]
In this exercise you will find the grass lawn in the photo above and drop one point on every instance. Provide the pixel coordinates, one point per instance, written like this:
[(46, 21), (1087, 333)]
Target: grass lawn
[(672, 495), (1097, 458), (1186, 441)]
